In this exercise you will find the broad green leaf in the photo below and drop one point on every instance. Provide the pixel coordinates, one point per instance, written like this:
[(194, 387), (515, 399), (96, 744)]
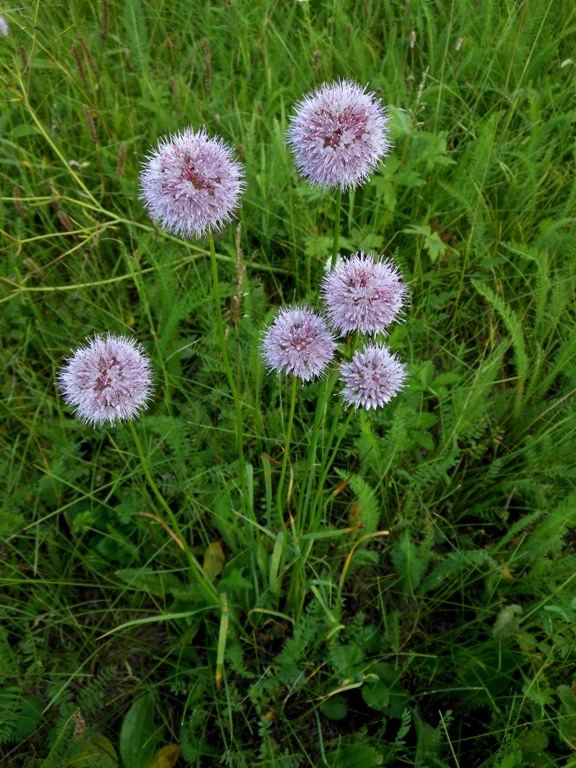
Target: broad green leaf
[(139, 735), (155, 582), (334, 708), (376, 695), (355, 756), (97, 752)]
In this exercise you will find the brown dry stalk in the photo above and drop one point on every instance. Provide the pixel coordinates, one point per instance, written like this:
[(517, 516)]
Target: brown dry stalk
[(87, 54), (164, 525), (207, 66), (80, 66), (16, 194), (122, 154), (90, 124), (105, 19), (65, 220), (23, 56), (174, 89), (315, 63), (236, 303)]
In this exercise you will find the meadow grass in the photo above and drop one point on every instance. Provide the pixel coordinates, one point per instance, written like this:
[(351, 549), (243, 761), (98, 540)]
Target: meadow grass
[(386, 588)]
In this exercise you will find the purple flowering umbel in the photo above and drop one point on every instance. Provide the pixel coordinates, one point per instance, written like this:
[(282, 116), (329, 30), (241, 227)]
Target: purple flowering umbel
[(338, 135), (299, 343), (109, 379), (363, 293), (191, 183), (372, 377)]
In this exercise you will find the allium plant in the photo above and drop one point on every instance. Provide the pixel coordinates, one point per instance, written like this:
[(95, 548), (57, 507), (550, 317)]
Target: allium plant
[(338, 135), (107, 380), (191, 183), (363, 293), (4, 28), (372, 377), (299, 343)]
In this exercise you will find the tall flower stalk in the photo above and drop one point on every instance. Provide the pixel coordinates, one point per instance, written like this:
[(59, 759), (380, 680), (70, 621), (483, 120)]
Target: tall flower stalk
[(338, 135), (191, 185), (231, 380), (298, 343), (109, 380)]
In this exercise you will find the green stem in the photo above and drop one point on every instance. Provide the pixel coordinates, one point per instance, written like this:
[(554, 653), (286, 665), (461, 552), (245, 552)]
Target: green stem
[(230, 377), (336, 228), (311, 464), (257, 548), (329, 381), (327, 384), (203, 581), (286, 452), (328, 463)]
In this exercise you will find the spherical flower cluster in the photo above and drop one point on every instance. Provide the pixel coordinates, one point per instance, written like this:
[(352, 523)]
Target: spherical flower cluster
[(191, 184), (363, 293), (298, 342), (338, 135), (107, 380), (372, 377), (4, 28)]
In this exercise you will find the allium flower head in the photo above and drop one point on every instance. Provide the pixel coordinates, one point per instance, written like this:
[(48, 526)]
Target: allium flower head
[(372, 377), (363, 293), (298, 342), (191, 183), (338, 135), (108, 379), (4, 28)]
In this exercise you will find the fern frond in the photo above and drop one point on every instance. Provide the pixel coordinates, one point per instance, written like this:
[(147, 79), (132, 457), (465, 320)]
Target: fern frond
[(136, 34), (368, 504), (469, 403), (514, 328)]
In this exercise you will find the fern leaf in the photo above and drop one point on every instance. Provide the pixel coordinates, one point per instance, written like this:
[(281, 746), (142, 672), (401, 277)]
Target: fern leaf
[(368, 506), (454, 564), (409, 563), (546, 538), (136, 33), (513, 326)]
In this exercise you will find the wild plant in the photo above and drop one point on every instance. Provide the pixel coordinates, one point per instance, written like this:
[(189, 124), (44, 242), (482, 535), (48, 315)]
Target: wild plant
[(317, 504)]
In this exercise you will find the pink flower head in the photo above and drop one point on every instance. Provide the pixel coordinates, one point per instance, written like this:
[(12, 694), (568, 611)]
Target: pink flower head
[(338, 135), (363, 293), (191, 184), (108, 379), (298, 342), (372, 377)]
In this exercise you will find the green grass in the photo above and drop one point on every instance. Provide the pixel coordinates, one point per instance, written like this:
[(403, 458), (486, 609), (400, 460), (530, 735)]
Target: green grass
[(449, 641)]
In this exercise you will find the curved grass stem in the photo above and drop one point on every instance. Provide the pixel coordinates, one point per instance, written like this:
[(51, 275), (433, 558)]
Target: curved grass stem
[(201, 578)]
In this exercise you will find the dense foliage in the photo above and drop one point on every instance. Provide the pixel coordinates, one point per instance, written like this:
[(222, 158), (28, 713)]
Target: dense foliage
[(200, 588)]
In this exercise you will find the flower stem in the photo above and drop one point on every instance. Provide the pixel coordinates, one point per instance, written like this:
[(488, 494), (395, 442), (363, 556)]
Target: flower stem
[(257, 549), (327, 461), (202, 579), (324, 393), (279, 499), (231, 380), (336, 227)]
